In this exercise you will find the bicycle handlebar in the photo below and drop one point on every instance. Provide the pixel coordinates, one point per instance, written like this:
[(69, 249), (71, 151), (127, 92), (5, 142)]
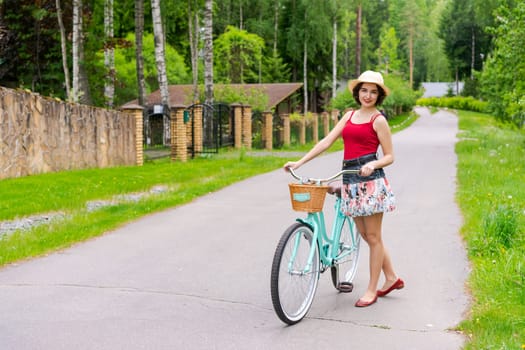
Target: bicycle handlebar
[(305, 180)]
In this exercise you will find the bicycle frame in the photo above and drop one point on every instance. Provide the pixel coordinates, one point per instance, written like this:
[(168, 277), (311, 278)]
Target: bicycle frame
[(316, 221), (328, 254)]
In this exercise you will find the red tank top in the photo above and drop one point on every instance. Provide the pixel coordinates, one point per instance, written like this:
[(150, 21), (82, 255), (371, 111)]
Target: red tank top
[(360, 139)]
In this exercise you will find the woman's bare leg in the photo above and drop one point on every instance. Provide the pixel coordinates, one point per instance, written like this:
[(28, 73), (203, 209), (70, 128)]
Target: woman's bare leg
[(370, 229), (388, 271)]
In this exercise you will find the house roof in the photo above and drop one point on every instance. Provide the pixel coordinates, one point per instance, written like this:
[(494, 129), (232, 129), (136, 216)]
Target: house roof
[(181, 94)]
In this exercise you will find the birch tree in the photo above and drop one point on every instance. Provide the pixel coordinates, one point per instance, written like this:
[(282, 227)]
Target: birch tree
[(193, 33), (77, 29), (80, 93), (139, 56), (109, 54), (208, 51), (160, 57), (63, 46), (277, 7)]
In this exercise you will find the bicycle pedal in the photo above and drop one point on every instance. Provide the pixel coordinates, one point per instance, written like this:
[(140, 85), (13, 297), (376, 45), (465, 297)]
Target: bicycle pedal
[(345, 287)]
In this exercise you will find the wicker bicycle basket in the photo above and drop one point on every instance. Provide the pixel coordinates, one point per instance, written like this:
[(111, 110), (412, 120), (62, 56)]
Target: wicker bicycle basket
[(309, 198)]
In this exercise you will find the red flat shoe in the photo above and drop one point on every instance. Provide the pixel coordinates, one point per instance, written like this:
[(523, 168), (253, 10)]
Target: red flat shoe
[(361, 303), (398, 284)]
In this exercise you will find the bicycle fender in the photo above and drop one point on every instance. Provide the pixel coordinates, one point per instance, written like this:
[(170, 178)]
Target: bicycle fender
[(306, 222)]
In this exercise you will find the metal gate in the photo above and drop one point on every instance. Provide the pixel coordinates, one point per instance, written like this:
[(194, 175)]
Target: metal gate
[(217, 128), (156, 129), (223, 114), (278, 131), (258, 130)]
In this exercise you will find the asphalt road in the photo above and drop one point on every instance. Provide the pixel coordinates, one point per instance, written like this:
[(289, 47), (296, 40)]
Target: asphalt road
[(198, 276)]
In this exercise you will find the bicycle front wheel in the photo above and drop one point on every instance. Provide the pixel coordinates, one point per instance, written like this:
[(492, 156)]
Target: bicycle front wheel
[(294, 280), (345, 266)]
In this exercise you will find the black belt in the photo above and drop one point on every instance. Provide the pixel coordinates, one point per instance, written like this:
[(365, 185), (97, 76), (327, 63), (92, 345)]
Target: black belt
[(360, 161)]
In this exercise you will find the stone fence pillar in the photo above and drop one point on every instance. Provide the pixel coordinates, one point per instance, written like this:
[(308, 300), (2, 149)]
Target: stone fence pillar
[(247, 126), (197, 128), (136, 112), (237, 124), (286, 129), (302, 130), (268, 130), (179, 147)]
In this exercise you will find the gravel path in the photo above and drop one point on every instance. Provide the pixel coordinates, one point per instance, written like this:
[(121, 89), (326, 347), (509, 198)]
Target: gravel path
[(26, 223)]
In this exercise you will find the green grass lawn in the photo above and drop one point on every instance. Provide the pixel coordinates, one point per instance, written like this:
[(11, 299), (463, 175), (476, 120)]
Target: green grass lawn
[(70, 191), (491, 195)]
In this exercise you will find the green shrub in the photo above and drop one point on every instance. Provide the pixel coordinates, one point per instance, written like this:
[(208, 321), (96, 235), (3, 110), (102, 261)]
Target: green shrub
[(342, 101), (457, 102), (255, 98), (503, 72), (471, 87), (402, 97)]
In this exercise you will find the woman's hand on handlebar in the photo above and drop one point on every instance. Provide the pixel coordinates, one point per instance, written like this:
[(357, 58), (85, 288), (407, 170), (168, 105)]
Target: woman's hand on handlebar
[(290, 165)]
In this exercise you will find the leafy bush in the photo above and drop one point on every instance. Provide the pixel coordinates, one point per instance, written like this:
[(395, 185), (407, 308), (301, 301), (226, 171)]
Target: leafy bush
[(456, 102), (342, 101), (255, 98), (402, 97), (504, 71), (471, 87), (298, 117)]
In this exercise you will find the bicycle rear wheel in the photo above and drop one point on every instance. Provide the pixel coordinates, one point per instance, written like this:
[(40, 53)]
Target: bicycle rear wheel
[(345, 268), (292, 287)]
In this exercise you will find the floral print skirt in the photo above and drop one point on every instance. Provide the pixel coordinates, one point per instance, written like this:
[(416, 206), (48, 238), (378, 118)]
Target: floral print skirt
[(367, 198), (364, 196)]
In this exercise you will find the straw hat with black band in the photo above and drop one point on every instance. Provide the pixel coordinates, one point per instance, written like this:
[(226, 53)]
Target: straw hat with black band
[(369, 77)]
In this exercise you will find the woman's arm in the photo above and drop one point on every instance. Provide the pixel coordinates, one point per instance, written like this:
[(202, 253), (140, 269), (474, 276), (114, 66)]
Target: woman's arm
[(385, 140)]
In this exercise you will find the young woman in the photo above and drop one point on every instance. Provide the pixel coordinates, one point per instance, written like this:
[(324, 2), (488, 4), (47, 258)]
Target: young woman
[(368, 195)]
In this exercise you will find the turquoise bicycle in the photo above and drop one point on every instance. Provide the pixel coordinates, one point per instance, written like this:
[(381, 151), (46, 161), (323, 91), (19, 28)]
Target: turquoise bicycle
[(305, 249)]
